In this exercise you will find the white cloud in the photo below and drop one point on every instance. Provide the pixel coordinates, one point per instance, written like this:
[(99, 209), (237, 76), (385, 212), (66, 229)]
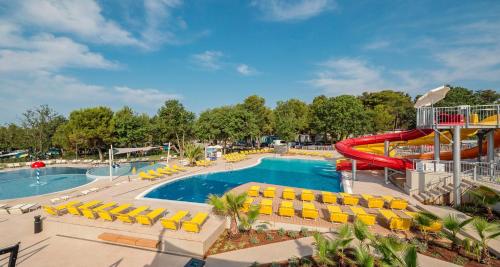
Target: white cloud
[(46, 52), (81, 17), (158, 15), (245, 70), (209, 60), (65, 94), (379, 44), (292, 10)]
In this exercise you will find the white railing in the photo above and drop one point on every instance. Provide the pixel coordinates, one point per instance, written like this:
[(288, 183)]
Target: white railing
[(467, 116), (411, 150), (478, 171)]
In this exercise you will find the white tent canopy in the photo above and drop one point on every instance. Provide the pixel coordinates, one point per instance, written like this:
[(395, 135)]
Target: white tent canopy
[(118, 151), (432, 97)]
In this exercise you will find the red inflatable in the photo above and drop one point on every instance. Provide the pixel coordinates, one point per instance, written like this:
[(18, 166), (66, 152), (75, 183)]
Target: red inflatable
[(372, 161), (37, 164)]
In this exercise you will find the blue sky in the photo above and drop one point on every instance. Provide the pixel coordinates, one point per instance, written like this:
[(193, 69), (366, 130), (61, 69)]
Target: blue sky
[(74, 54)]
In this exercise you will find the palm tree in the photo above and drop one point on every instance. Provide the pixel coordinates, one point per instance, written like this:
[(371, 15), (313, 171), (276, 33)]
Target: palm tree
[(193, 153), (486, 197), (363, 257), (322, 252), (229, 205), (454, 226), (486, 231), (394, 252), (361, 231), (424, 220), (246, 222)]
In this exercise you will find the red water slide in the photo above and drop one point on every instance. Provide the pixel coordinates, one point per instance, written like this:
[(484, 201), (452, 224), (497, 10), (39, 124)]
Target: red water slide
[(372, 161)]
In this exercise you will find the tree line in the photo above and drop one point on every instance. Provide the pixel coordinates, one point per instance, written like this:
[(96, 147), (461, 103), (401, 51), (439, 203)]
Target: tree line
[(331, 118)]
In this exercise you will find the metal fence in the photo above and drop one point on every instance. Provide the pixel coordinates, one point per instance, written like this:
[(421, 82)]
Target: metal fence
[(467, 116), (478, 171)]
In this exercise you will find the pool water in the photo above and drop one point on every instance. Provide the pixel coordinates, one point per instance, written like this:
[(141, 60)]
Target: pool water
[(311, 174), (23, 183), (124, 169)]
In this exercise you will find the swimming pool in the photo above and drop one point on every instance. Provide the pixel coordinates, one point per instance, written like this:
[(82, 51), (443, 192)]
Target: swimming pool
[(123, 169), (312, 174), (22, 183)]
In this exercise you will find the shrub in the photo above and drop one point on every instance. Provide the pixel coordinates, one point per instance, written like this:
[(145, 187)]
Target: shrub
[(281, 232), (306, 262), (419, 245), (293, 262), (269, 237), (254, 264), (275, 264), (459, 260), (304, 231), (259, 230), (292, 234), (254, 240)]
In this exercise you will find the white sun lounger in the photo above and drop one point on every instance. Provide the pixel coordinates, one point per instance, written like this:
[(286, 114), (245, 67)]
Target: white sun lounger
[(85, 192), (23, 208), (94, 189), (3, 209)]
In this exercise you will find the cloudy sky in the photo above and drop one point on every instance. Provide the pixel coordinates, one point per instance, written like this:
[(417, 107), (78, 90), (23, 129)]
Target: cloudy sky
[(79, 53)]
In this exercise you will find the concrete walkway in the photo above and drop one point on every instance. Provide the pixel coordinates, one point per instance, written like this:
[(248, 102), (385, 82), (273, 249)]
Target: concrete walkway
[(282, 251)]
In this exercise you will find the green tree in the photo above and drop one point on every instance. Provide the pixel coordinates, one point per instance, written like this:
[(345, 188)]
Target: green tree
[(255, 105), (320, 116), (382, 118), (92, 126), (40, 124), (229, 205), (175, 122), (398, 104), (349, 117), (13, 137), (131, 129), (458, 96), (291, 118), (487, 97)]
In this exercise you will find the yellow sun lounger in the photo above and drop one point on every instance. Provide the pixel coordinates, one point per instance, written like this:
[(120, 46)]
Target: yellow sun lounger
[(373, 202), (130, 216), (246, 205), (167, 168), (270, 192), (174, 222), (92, 213), (348, 199), (266, 206), (394, 221), (111, 214), (435, 226), (253, 191), (179, 168), (286, 209), (362, 215), (288, 193), (145, 176), (153, 173), (395, 203), (337, 215), (150, 218), (194, 225), (163, 171), (328, 197), (76, 210), (307, 195), (309, 211), (60, 209)]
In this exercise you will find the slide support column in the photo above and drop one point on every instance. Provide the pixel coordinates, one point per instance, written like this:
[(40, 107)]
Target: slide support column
[(480, 136), (437, 145), (456, 165), (386, 153), (491, 146), (354, 178)]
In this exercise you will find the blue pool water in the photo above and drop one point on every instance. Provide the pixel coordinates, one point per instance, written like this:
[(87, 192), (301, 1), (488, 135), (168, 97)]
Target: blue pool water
[(123, 169), (312, 174), (22, 183)]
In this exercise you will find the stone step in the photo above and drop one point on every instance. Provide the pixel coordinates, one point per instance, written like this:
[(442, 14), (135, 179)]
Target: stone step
[(419, 198)]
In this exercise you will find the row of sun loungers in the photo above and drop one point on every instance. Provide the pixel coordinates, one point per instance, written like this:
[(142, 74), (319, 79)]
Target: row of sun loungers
[(204, 163), (18, 208), (394, 219), (126, 213), (325, 154), (370, 201), (234, 157), (160, 172)]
